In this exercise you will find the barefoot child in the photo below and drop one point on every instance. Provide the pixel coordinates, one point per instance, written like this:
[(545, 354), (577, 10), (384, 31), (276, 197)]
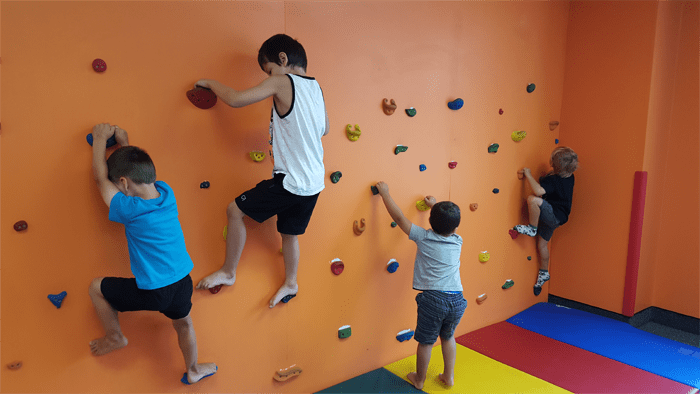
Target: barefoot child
[(298, 122), (550, 205), (436, 274), (159, 260)]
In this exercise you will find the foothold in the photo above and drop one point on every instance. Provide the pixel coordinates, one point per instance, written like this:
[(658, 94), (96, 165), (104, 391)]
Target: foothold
[(531, 88), (411, 112), (344, 332), (405, 335), (337, 266), (374, 190), (480, 299), (288, 297), (14, 366), (422, 206), (399, 149), (392, 266), (500, 111), (202, 98), (99, 65), (422, 167), (484, 256), (529, 257), (509, 283), (257, 155), (360, 227), (394, 224), (556, 140), (452, 164), (335, 177), (495, 190), (111, 141), (57, 299), (204, 185), (513, 234), (493, 148), (473, 206), (287, 373), (225, 231), (456, 104), (389, 106), (518, 136), (553, 124), (353, 135), (20, 226), (215, 289)]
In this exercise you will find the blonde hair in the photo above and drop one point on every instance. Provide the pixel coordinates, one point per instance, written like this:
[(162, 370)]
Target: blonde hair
[(564, 161)]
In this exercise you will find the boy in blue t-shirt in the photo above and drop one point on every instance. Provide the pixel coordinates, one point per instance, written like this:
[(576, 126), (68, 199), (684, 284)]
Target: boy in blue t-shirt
[(159, 259), (436, 274)]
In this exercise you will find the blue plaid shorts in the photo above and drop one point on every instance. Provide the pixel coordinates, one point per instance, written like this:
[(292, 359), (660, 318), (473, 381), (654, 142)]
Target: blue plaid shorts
[(439, 313)]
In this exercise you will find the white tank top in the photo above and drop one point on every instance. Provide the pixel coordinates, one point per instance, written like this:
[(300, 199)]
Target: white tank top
[(296, 138)]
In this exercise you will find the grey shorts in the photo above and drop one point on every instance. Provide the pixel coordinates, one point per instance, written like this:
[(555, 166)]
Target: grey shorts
[(548, 222), (439, 313)]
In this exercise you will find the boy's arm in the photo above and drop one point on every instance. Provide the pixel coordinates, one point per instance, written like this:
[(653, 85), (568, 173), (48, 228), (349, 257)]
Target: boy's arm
[(393, 209), (536, 187), (240, 98), (100, 134)]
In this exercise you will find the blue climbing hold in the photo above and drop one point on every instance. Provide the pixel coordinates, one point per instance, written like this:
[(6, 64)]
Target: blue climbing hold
[(495, 191), (456, 104), (556, 140), (57, 299), (392, 266), (405, 335), (110, 142), (288, 297), (422, 167)]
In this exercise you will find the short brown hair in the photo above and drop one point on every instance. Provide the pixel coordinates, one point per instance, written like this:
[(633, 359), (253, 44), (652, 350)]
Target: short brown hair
[(564, 160)]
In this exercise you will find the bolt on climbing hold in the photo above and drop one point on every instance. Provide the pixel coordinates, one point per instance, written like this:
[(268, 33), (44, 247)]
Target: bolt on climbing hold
[(14, 365), (509, 283), (493, 148), (204, 185), (500, 111), (422, 167), (286, 373), (556, 140), (473, 206), (394, 224), (518, 135), (257, 155), (111, 141), (392, 266), (344, 332), (531, 88), (422, 206), (335, 177), (452, 164), (374, 190), (480, 299), (513, 233), (411, 112), (288, 297), (456, 104), (353, 134), (529, 257), (215, 289), (389, 106), (495, 190), (99, 65), (57, 299), (484, 256), (399, 149), (20, 226), (359, 227), (405, 335), (521, 175), (202, 98), (337, 266), (553, 124), (225, 231)]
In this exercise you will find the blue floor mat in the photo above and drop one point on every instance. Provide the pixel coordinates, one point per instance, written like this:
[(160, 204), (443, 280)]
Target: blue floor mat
[(377, 381)]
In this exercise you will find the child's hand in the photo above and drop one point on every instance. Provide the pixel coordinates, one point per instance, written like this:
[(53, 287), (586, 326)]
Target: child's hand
[(204, 83), (525, 171), (102, 131), (121, 136), (430, 201), (383, 188)]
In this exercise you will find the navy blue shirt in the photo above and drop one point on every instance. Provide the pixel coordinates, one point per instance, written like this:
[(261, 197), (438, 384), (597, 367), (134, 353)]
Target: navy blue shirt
[(558, 193)]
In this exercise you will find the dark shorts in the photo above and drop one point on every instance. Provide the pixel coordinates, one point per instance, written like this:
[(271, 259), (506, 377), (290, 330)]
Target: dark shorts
[(438, 314), (548, 222), (174, 301), (269, 198)]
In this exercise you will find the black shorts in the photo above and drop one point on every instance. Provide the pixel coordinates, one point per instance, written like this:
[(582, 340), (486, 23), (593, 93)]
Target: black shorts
[(174, 301), (548, 222), (269, 198)]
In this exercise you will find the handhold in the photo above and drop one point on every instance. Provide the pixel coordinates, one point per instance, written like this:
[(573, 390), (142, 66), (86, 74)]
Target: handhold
[(257, 155), (287, 373), (556, 140), (456, 104), (374, 190), (480, 299), (399, 149), (452, 164), (288, 297), (215, 289), (521, 175), (411, 112), (389, 107), (495, 190), (99, 65), (513, 234), (14, 365), (335, 177), (392, 266), (353, 135), (360, 227), (57, 299), (394, 224), (337, 266), (484, 256), (422, 167), (405, 335), (500, 111), (518, 135), (204, 185), (422, 206), (509, 283), (225, 231), (553, 124), (20, 226), (493, 148), (529, 257), (202, 98), (344, 332), (111, 141), (473, 206), (531, 88)]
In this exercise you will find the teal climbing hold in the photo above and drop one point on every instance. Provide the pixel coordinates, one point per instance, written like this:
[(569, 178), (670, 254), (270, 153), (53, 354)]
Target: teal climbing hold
[(411, 112), (531, 88)]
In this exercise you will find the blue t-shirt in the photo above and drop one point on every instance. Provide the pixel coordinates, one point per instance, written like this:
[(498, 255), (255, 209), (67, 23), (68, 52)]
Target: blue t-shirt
[(156, 243), (437, 260)]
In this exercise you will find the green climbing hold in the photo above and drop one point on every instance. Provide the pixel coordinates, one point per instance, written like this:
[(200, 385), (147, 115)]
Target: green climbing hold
[(399, 149), (394, 224), (493, 148), (335, 177), (411, 112), (509, 283), (529, 257), (374, 190)]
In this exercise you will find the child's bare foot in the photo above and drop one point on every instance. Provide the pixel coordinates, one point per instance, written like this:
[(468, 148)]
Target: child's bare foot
[(201, 371), (104, 345), (285, 290), (445, 381), (413, 377), (217, 278)]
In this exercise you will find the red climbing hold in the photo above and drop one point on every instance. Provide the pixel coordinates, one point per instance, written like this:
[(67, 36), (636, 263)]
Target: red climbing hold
[(99, 65), (201, 97), (215, 289)]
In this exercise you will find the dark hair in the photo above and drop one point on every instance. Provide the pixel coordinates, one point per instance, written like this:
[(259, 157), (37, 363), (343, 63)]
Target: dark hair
[(270, 50), (444, 217), (133, 163)]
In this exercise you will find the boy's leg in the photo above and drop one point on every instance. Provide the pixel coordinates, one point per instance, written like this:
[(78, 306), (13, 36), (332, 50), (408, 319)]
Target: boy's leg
[(114, 338), (449, 357), (422, 361), (235, 241), (543, 274), (290, 250), (188, 344), (533, 206)]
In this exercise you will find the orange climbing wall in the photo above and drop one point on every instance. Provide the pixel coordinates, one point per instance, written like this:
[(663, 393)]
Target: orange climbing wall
[(421, 54)]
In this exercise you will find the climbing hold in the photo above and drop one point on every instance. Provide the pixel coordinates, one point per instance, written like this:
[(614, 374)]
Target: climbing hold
[(14, 365), (57, 299), (480, 299), (493, 148), (484, 256), (513, 234), (553, 124), (335, 177), (353, 135), (111, 141), (392, 266), (422, 167), (344, 332), (374, 190), (99, 65), (394, 224), (399, 149), (21, 225), (215, 289), (422, 206), (225, 231), (529, 257), (287, 373), (288, 297), (202, 98), (518, 135), (337, 266), (405, 335), (360, 227), (456, 104), (452, 164), (531, 88), (556, 140), (411, 112), (509, 283), (257, 155), (473, 206), (389, 107), (495, 191), (500, 111), (204, 185), (521, 175)]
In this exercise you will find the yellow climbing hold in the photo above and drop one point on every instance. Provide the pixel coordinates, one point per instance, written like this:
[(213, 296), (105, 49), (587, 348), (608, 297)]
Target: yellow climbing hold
[(225, 232), (518, 135), (484, 256), (257, 155), (353, 135), (422, 206)]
